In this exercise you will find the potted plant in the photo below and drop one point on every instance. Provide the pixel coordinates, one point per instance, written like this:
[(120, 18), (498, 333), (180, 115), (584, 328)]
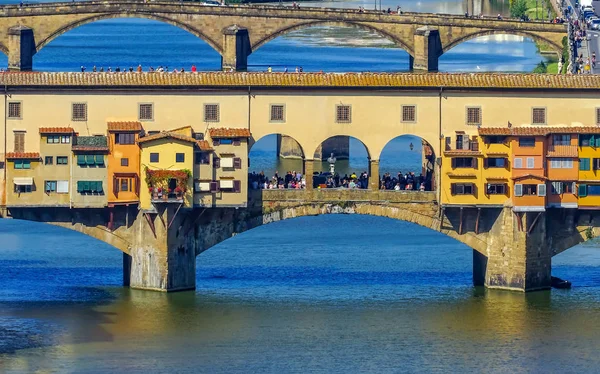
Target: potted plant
[(159, 192), (166, 194), (178, 191)]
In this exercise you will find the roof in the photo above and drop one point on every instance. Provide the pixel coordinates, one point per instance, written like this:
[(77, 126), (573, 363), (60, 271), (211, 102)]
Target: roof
[(562, 151), (204, 145), (116, 126), (22, 155), (229, 133), (526, 176), (262, 79), (56, 130), (166, 135), (462, 152), (496, 178), (542, 131)]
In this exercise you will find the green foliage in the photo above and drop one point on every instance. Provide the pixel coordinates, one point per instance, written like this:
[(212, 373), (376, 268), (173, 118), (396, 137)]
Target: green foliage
[(589, 233), (160, 178), (541, 68), (518, 8)]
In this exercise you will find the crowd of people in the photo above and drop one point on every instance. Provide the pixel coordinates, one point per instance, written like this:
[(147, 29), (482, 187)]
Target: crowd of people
[(291, 180), (579, 64), (138, 69), (404, 182)]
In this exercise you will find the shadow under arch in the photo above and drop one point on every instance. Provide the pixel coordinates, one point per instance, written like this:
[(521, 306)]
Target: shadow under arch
[(535, 37), (417, 155), (343, 24), (281, 137), (41, 44), (339, 145)]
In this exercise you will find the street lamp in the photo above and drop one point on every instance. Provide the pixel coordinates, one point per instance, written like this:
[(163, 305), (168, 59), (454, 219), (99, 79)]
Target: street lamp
[(331, 161), (411, 146)]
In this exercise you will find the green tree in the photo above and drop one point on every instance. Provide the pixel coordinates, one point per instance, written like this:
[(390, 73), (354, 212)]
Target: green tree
[(518, 8), (541, 68)]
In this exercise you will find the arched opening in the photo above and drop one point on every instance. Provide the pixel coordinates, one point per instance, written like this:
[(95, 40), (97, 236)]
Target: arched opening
[(496, 52), (407, 163), (342, 161), (273, 159), (330, 48), (125, 43)]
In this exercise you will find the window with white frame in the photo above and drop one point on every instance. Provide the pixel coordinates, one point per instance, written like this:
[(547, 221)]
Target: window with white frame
[(561, 163)]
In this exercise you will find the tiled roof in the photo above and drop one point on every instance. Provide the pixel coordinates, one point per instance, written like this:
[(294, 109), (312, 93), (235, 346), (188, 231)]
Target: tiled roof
[(525, 176), (164, 135), (56, 130), (543, 131), (22, 155), (89, 148), (204, 145), (462, 152), (229, 133), (496, 178), (259, 79), (116, 126), (562, 151), (459, 175)]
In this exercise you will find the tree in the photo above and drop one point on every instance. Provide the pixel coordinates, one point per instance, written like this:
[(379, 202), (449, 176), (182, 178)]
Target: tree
[(518, 8)]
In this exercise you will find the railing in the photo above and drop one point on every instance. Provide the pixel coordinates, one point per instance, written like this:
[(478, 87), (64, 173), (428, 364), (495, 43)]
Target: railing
[(343, 194), (159, 197), (462, 145)]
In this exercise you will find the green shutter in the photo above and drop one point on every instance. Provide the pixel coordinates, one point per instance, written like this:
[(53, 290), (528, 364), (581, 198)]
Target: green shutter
[(582, 190), (584, 164), (79, 186), (90, 160), (98, 187), (80, 159), (99, 160)]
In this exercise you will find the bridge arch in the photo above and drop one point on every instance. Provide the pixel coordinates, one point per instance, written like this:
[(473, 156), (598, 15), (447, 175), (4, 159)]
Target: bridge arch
[(64, 28), (453, 43), (401, 43)]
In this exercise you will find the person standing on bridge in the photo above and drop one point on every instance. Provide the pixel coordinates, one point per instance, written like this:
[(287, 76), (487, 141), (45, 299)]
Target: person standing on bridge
[(193, 68)]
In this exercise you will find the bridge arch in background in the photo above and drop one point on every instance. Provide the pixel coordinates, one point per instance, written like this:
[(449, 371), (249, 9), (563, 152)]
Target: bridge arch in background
[(341, 24), (533, 36), (214, 44), (275, 152)]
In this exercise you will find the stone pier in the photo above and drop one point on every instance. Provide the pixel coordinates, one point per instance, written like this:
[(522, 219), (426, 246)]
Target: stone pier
[(428, 49), (21, 48), (236, 49)]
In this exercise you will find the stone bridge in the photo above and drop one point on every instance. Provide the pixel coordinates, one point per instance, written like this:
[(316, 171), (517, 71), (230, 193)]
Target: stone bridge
[(236, 31), (509, 251)]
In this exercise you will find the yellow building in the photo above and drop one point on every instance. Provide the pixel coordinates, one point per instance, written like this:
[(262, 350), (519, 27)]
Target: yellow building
[(588, 189), (25, 186), (167, 161)]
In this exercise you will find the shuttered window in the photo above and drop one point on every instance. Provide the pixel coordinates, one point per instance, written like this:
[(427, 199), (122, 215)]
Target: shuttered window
[(541, 190), (409, 113), (79, 111), (518, 190), (15, 110), (584, 164), (19, 141), (538, 116), (518, 163), (473, 116), (146, 112), (462, 188), (530, 163), (597, 116), (343, 114), (277, 113), (211, 113)]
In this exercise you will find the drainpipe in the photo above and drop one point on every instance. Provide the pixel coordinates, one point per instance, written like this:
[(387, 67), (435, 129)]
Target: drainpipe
[(439, 178), (249, 97), (71, 160), (3, 197)]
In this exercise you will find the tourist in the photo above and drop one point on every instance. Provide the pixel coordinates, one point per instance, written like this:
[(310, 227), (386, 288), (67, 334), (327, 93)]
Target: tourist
[(139, 69), (82, 69), (193, 68), (94, 69), (269, 69)]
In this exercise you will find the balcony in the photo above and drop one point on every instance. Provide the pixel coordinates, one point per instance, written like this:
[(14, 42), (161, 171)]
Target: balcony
[(160, 196), (462, 147), (562, 151)]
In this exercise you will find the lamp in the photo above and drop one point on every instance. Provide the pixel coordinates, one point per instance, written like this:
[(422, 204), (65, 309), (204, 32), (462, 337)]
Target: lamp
[(411, 146)]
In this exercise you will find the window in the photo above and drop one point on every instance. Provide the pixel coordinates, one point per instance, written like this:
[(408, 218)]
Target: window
[(538, 116), (409, 113), (90, 160), (230, 185), (227, 162), (473, 116), (124, 138), (202, 158), (597, 116), (496, 189), (179, 157), (596, 163), (277, 113), (526, 142), (79, 111), (50, 186), (518, 163), (211, 112), (563, 187), (201, 186), (584, 164), (495, 162), (225, 141), (593, 190), (530, 162), (124, 162), (48, 160), (90, 187), (461, 188), (464, 162), (62, 160), (14, 110), (62, 187), (561, 139), (22, 188), (65, 139), (496, 139), (561, 163), (53, 139), (125, 184), (19, 141), (526, 189), (588, 140), (146, 112), (343, 114), (22, 164), (153, 157)]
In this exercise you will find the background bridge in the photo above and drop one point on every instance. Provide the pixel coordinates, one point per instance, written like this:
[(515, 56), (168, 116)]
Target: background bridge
[(236, 31)]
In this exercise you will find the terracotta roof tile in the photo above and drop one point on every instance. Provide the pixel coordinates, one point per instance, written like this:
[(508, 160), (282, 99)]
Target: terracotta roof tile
[(259, 79), (526, 176), (22, 155), (166, 134), (56, 130), (562, 151), (542, 131), (116, 126), (204, 145), (89, 148), (462, 152), (496, 178), (229, 133)]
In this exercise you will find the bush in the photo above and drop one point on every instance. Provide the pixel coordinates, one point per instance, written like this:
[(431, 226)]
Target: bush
[(541, 68)]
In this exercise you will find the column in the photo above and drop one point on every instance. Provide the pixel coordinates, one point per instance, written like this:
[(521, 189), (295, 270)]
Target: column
[(374, 174), (21, 48), (517, 259), (236, 48), (427, 49), (309, 168), (162, 257)]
